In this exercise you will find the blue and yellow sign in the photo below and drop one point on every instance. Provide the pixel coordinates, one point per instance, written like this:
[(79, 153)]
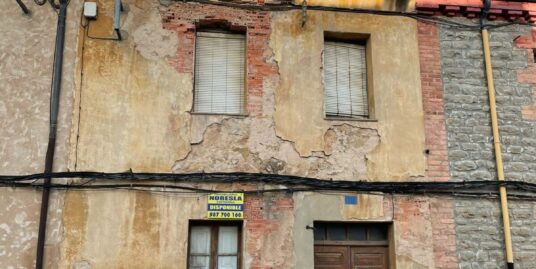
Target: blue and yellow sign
[(226, 206)]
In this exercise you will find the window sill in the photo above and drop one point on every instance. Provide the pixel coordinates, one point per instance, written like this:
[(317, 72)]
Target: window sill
[(350, 119), (219, 114)]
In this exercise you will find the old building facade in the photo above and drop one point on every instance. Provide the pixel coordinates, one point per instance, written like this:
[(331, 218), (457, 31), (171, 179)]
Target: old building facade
[(258, 98)]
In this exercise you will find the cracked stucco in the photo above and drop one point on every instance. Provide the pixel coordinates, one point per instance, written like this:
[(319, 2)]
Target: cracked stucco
[(149, 106), (299, 115), (134, 108), (253, 146), (292, 134)]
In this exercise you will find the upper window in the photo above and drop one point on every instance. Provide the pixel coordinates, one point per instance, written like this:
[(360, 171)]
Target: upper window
[(345, 79), (219, 73), (214, 245)]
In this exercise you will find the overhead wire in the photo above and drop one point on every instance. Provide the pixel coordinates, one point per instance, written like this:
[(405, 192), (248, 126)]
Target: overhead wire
[(291, 184)]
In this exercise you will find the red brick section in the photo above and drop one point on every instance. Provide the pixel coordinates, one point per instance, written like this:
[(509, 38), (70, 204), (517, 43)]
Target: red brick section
[(185, 17), (504, 10), (440, 209), (263, 215), (444, 233), (432, 96), (414, 216), (528, 75)]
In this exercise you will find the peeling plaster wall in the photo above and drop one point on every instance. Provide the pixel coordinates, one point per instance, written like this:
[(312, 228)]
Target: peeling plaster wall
[(26, 58), (132, 109), (136, 97), (299, 107), (132, 112)]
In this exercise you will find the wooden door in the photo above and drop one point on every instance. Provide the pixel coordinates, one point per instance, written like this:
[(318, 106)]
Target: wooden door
[(369, 257), (332, 257)]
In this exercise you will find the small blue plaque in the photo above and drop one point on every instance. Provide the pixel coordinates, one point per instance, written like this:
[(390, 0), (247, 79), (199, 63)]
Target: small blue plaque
[(350, 200)]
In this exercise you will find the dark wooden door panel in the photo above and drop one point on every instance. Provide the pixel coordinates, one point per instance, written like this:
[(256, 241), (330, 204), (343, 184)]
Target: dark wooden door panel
[(370, 258), (332, 257)]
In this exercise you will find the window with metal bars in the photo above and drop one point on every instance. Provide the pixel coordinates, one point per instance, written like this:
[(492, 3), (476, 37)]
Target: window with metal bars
[(219, 79), (345, 79)]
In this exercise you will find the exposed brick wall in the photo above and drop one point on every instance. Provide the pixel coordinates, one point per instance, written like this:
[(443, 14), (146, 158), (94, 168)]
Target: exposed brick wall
[(264, 215), (425, 230), (441, 209), (185, 17), (444, 233), (528, 75), (432, 96)]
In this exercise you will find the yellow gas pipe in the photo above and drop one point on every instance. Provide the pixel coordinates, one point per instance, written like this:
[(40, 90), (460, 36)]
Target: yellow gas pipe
[(498, 153)]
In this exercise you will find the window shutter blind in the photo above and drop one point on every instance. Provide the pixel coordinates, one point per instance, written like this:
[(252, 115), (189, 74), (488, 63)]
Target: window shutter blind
[(219, 73), (345, 78)]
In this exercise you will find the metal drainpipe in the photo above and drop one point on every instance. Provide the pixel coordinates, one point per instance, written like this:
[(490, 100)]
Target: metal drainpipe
[(496, 137), (54, 107)]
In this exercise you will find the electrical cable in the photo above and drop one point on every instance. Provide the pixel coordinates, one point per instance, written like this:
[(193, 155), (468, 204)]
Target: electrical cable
[(83, 40), (23, 7), (100, 180), (190, 190)]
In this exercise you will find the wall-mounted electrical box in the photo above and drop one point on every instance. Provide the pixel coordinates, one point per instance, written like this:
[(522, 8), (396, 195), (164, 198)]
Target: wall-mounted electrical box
[(90, 10)]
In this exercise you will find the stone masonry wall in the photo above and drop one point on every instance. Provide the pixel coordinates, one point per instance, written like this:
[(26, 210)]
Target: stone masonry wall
[(480, 242)]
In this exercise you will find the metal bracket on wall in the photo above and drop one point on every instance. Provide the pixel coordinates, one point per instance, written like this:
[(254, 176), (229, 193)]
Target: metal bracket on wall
[(304, 13)]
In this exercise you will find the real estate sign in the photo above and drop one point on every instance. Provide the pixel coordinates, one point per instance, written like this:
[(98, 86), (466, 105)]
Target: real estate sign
[(225, 206)]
